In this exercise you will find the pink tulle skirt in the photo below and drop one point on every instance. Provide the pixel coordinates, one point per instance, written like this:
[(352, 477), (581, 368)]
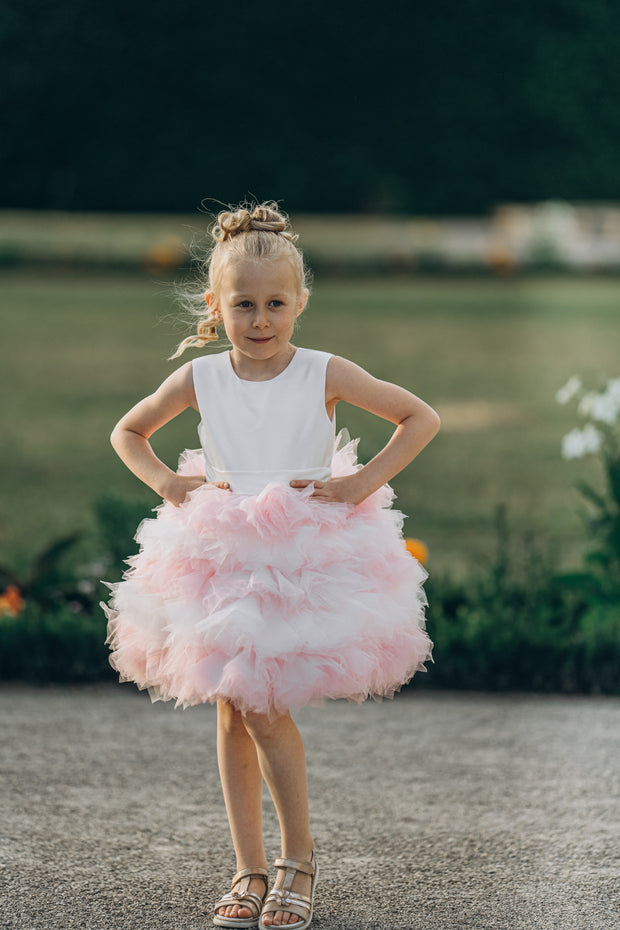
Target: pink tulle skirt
[(269, 601)]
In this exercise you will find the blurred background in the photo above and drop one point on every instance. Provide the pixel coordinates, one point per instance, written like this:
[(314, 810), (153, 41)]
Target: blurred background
[(452, 170)]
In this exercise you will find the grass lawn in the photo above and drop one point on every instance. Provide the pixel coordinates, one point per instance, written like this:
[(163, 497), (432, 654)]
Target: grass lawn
[(78, 349)]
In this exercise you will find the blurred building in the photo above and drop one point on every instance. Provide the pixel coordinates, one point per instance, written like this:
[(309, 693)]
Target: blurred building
[(580, 236)]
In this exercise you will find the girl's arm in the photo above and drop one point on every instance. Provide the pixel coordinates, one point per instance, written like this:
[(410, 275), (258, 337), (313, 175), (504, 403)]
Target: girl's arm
[(416, 424), (130, 436)]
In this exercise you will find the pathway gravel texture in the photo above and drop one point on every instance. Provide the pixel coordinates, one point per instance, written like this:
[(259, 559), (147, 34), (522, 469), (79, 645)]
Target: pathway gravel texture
[(449, 811)]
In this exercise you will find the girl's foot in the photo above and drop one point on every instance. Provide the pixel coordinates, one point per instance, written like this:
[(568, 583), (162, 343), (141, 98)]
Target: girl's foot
[(244, 901), (302, 884)]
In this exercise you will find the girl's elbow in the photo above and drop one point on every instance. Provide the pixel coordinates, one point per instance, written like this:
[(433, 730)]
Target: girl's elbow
[(430, 418), (115, 436), (434, 422)]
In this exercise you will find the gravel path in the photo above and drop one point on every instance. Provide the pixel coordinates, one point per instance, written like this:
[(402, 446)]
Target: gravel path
[(437, 811)]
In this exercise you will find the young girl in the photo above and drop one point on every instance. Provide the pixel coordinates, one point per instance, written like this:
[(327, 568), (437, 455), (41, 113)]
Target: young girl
[(275, 574)]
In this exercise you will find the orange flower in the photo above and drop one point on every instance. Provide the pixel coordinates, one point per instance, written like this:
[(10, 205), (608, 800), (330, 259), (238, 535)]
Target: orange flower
[(165, 254), (417, 549), (11, 601)]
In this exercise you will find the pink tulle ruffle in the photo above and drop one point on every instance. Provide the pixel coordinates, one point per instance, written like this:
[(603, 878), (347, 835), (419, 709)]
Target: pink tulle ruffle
[(271, 601)]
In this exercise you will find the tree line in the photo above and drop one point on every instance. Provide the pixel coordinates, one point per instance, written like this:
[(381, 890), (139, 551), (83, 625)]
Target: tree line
[(341, 106)]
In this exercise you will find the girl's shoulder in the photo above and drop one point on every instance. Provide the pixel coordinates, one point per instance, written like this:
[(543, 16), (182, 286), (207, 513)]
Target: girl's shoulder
[(317, 355), (345, 380), (340, 367)]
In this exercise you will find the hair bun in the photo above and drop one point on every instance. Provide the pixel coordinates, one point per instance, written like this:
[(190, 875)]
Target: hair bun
[(264, 217), (231, 224)]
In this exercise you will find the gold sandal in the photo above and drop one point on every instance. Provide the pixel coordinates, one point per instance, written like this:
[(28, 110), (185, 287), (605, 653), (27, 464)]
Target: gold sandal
[(244, 898), (283, 899)]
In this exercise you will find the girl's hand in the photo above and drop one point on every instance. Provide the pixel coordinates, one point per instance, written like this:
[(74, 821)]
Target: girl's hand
[(337, 490), (178, 487)]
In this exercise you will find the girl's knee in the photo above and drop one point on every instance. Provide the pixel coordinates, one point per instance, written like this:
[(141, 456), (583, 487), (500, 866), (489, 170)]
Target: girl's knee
[(261, 727)]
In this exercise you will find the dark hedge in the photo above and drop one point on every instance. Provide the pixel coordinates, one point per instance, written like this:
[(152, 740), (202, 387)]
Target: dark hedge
[(428, 108)]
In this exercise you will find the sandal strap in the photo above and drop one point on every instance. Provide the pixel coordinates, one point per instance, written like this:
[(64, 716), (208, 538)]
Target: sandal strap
[(249, 899), (307, 867), (297, 904), (240, 895), (283, 899), (250, 873)]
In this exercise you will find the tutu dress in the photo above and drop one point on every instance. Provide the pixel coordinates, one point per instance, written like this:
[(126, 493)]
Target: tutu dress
[(261, 595)]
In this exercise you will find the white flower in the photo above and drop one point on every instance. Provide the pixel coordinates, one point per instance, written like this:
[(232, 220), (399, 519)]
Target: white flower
[(585, 404), (569, 390), (605, 408), (592, 438), (613, 389), (581, 442)]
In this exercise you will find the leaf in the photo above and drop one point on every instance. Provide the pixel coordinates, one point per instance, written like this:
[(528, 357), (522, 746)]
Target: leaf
[(599, 558), (579, 581), (590, 494), (613, 477), (8, 577), (48, 560)]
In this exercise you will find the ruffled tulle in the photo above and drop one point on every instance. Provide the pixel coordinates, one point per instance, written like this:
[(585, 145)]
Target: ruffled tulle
[(271, 601)]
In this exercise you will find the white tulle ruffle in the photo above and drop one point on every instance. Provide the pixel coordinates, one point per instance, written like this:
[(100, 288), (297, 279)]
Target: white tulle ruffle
[(270, 601)]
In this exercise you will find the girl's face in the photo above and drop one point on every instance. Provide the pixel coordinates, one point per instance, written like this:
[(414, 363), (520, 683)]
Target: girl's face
[(259, 304)]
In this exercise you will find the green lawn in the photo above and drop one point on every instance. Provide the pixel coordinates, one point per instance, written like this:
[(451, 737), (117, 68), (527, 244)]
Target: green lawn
[(77, 350)]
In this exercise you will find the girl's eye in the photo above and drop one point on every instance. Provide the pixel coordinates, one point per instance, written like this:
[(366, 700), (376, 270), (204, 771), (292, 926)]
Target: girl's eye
[(245, 304), (277, 303)]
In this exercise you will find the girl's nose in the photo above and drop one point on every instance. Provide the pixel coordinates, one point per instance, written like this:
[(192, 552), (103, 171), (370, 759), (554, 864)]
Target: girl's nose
[(261, 319)]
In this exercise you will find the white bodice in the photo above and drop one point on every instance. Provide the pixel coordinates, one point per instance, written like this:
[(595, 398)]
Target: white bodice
[(256, 432)]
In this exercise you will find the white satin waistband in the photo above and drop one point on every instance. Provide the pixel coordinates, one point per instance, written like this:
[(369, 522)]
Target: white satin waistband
[(253, 482)]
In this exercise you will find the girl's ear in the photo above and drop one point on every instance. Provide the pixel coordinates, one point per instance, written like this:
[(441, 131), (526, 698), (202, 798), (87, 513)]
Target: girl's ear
[(303, 300)]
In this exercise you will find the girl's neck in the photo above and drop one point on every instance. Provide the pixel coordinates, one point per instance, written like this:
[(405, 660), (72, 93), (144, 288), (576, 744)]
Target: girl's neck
[(251, 369)]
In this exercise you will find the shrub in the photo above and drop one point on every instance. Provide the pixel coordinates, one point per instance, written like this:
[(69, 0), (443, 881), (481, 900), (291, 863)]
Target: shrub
[(518, 625), (53, 645), (599, 436)]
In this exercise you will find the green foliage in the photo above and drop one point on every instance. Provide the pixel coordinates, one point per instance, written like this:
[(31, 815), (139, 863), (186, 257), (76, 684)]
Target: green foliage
[(51, 579), (599, 639), (426, 107), (600, 436), (53, 644), (117, 520), (603, 520), (518, 625), (59, 636)]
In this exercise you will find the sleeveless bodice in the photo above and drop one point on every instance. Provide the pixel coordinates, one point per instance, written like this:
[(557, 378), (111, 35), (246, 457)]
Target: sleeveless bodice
[(256, 432)]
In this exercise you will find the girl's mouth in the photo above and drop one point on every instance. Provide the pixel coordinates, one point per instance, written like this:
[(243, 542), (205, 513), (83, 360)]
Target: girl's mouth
[(261, 339)]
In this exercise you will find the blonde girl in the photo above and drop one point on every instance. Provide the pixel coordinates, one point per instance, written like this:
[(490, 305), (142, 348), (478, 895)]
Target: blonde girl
[(275, 574)]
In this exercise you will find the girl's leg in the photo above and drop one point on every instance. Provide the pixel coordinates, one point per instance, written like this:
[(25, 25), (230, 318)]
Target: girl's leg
[(282, 761), (242, 785)]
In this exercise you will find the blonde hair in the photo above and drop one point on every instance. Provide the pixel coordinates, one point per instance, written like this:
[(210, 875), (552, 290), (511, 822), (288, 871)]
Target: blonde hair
[(251, 232)]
